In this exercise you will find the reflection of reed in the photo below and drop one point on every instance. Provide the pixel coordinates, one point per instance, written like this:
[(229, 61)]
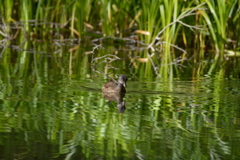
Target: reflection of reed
[(112, 96)]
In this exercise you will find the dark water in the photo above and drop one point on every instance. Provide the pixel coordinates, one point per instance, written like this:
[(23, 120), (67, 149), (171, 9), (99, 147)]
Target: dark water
[(70, 119)]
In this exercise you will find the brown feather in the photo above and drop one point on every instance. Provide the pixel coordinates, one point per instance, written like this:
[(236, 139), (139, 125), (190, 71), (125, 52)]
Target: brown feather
[(119, 86)]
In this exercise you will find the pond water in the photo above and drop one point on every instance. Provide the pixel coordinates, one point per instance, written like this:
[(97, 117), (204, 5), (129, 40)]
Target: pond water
[(50, 111)]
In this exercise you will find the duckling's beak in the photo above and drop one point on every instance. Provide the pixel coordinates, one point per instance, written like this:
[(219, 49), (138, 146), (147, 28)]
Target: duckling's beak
[(124, 84)]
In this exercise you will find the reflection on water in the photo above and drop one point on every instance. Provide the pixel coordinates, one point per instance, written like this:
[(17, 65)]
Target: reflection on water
[(52, 108), (167, 120), (113, 96)]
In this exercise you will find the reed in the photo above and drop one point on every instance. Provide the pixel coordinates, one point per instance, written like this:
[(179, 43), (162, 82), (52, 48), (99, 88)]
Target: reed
[(88, 19), (80, 15), (113, 18), (6, 9), (217, 21)]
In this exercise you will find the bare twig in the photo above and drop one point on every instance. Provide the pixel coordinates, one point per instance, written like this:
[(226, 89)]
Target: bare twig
[(153, 65), (190, 13), (110, 58), (175, 47), (190, 26), (4, 32), (118, 38)]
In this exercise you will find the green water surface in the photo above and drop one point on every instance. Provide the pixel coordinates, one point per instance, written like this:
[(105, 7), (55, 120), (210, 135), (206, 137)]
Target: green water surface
[(51, 107)]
